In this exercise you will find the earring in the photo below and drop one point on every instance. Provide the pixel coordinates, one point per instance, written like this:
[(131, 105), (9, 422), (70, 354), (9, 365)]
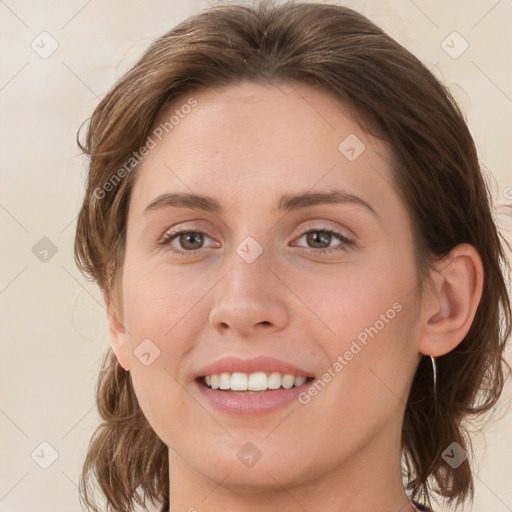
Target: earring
[(434, 370)]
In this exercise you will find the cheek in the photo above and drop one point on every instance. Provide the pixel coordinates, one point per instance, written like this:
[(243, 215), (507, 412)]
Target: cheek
[(160, 337), (357, 300), (372, 314), (161, 320), (163, 304)]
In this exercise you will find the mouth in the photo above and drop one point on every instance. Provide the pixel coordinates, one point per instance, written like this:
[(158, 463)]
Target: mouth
[(249, 383), (248, 387)]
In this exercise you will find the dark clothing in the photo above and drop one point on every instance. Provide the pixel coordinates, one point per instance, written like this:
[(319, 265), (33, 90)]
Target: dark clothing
[(417, 505)]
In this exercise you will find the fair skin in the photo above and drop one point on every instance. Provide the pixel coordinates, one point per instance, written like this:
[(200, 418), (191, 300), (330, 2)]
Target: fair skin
[(246, 146)]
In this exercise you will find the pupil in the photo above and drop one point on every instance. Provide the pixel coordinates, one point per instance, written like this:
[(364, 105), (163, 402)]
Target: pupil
[(313, 238), (190, 236)]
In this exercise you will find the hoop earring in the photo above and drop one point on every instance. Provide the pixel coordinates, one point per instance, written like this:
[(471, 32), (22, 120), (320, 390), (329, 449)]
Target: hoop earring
[(434, 370)]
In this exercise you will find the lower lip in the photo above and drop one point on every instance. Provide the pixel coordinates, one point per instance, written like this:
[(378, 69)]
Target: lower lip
[(250, 404)]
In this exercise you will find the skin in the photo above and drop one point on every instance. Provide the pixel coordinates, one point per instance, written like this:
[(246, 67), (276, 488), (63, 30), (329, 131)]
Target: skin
[(247, 145)]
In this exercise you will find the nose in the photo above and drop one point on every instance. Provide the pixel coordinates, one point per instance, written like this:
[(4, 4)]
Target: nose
[(251, 299)]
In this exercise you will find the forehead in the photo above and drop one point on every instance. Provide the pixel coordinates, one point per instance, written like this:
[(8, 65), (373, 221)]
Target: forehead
[(251, 142)]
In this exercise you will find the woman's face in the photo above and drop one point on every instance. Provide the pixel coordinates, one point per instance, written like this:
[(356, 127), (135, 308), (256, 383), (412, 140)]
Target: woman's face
[(261, 281)]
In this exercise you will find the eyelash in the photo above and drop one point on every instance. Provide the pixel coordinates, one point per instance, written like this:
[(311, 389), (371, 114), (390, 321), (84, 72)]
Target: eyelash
[(169, 236)]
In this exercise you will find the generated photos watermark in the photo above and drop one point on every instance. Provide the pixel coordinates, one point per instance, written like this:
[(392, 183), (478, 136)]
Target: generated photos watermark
[(158, 133), (357, 344)]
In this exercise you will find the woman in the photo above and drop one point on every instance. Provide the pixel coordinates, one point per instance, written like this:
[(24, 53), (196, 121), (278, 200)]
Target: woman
[(286, 215)]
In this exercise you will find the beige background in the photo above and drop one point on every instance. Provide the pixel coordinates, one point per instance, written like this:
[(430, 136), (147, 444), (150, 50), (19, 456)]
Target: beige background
[(54, 329)]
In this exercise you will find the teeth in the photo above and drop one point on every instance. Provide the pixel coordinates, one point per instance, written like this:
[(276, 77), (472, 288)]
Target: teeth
[(224, 381), (258, 381), (274, 380), (238, 382), (288, 381)]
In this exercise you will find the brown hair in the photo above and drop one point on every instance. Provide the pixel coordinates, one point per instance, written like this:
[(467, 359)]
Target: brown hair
[(436, 170)]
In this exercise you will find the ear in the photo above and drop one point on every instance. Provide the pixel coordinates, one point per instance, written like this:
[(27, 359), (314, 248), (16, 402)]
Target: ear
[(450, 303), (117, 334)]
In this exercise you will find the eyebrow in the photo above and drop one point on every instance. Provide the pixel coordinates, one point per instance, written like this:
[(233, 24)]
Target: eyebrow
[(288, 202)]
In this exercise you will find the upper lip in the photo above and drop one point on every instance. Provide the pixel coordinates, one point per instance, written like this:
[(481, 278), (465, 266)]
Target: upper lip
[(267, 364)]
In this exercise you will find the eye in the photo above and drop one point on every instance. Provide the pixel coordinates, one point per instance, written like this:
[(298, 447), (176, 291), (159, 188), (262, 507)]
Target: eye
[(323, 237), (191, 241)]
